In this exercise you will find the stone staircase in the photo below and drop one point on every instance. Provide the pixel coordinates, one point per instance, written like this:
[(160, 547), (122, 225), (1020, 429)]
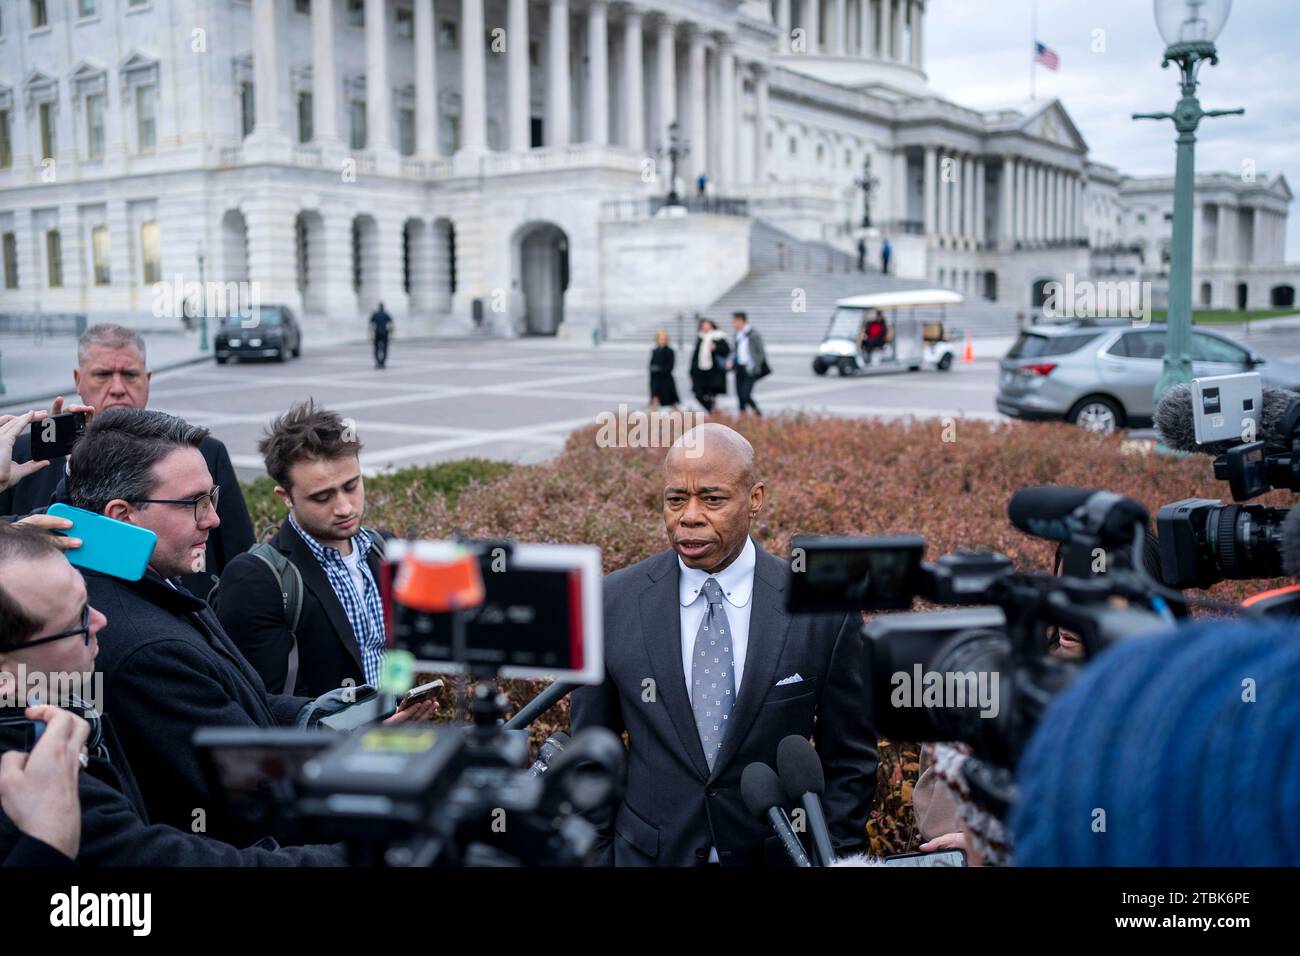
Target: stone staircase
[(782, 266)]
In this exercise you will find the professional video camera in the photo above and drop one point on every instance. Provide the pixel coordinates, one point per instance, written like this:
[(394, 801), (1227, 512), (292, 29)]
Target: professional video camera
[(1254, 434), (983, 675), (440, 793)]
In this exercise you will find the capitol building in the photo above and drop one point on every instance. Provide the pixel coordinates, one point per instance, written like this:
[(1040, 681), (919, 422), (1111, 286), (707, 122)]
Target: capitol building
[(501, 165)]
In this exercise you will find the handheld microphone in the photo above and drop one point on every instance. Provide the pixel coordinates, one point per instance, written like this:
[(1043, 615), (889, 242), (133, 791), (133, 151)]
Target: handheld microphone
[(553, 747), (801, 775), (1175, 419), (760, 788)]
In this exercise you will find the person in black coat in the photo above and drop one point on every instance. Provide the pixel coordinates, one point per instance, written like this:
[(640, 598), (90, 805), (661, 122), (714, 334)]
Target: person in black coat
[(42, 601), (111, 373), (709, 364), (663, 388), (798, 674)]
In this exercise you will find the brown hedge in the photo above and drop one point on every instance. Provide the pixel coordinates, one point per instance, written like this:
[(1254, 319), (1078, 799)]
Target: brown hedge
[(948, 481)]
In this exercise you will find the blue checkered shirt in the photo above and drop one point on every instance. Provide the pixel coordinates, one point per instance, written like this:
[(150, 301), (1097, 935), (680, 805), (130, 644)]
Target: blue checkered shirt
[(365, 611)]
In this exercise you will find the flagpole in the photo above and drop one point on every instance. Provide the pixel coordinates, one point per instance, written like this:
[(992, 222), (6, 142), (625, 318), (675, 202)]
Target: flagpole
[(1033, 59)]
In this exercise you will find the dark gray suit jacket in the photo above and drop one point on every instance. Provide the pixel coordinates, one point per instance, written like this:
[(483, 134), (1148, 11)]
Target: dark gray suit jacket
[(674, 808)]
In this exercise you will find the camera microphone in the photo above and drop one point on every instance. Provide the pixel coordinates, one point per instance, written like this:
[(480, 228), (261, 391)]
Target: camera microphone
[(804, 782), (551, 749), (761, 790), (1175, 419), (1051, 512)]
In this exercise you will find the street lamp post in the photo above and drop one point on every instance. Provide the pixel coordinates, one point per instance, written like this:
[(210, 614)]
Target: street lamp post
[(866, 182), (1189, 29), (203, 306), (677, 149)]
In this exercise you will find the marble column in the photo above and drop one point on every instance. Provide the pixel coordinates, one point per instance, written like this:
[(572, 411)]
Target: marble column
[(837, 32), (379, 136), (633, 82), (473, 82), (598, 77), (324, 85), (266, 73), (886, 29), (783, 24), (667, 66), (930, 190), (557, 75), (697, 105), (980, 233), (1006, 202), (865, 31), (760, 123), (518, 105)]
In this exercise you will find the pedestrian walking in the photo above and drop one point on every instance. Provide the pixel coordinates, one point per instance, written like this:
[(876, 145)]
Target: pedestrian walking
[(709, 364), (749, 361), (663, 388), (381, 326)]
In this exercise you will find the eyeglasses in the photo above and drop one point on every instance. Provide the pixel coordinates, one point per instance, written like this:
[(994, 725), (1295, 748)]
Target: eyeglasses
[(201, 504), (84, 631)]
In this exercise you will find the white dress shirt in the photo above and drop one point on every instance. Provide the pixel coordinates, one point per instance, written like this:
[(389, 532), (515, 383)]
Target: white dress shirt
[(737, 583), (742, 349)]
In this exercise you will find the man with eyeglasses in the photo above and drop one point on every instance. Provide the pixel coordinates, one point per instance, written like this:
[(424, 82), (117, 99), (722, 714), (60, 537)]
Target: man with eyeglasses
[(169, 667), (73, 795), (112, 373)]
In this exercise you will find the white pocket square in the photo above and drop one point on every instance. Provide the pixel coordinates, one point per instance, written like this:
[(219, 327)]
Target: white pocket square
[(792, 679)]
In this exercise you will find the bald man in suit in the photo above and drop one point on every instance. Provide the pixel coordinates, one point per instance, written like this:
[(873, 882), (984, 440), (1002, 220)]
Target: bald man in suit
[(707, 672)]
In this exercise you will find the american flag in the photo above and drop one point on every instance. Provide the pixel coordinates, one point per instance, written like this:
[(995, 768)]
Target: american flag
[(1046, 56)]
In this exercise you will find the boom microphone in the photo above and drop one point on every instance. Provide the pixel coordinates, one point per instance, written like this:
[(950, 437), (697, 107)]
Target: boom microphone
[(553, 747), (1176, 421), (760, 788), (804, 782)]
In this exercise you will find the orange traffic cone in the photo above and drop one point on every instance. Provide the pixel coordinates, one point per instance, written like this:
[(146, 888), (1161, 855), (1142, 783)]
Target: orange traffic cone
[(968, 353)]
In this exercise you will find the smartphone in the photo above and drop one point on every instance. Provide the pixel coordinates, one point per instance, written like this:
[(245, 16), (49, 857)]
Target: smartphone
[(417, 694), (54, 435), (938, 858), (110, 547)]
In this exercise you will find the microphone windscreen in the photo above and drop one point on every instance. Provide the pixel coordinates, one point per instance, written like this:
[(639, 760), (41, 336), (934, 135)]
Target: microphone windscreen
[(760, 788), (1175, 419), (1042, 510), (799, 767), (1290, 544)]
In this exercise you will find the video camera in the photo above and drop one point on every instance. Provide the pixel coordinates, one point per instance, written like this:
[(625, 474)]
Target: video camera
[(1254, 434), (983, 674), (449, 794)]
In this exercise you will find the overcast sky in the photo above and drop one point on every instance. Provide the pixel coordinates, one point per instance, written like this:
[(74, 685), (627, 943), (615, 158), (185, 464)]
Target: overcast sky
[(978, 53)]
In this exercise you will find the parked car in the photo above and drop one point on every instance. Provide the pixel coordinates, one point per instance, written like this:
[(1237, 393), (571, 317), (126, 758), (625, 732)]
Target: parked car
[(272, 332), (1102, 375)]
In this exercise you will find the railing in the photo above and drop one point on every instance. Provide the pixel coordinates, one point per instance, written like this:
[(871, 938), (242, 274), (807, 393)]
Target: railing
[(907, 227), (231, 155), (413, 167), (307, 156), (549, 159), (42, 323), (621, 210)]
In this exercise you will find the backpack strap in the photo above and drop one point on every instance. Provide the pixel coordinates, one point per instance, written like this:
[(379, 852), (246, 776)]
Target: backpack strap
[(290, 581)]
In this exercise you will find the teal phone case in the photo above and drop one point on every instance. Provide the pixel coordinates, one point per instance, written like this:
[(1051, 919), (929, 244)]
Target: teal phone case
[(110, 547)]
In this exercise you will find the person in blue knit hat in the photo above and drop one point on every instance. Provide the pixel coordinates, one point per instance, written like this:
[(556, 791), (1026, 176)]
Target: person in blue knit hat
[(1179, 750)]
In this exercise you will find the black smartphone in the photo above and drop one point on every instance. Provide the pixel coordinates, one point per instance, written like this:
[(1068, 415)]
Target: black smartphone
[(54, 436), (937, 858)]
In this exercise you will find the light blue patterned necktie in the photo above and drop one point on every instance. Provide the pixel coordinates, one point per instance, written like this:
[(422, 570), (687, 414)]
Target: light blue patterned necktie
[(713, 681)]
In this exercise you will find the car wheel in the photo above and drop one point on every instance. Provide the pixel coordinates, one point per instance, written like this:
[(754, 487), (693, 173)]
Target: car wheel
[(846, 367), (297, 350), (819, 366), (279, 355), (1097, 414), (223, 359), (945, 363), (914, 368)]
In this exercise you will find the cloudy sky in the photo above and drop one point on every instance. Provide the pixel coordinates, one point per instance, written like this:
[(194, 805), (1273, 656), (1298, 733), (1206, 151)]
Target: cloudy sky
[(978, 53)]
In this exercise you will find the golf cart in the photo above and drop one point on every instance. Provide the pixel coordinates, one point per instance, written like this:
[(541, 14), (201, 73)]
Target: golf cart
[(912, 337)]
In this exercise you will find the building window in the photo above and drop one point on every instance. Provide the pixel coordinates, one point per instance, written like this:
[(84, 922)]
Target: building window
[(356, 13), (146, 127), (357, 113), (449, 134), (304, 118), (6, 144), (247, 108), (356, 256), (48, 141), (794, 146), (848, 157), (54, 259), (405, 20), (406, 131), (95, 126), (1142, 218), (85, 8), (821, 152), (11, 260), (302, 6), (447, 34), (99, 255), (39, 16), (151, 252)]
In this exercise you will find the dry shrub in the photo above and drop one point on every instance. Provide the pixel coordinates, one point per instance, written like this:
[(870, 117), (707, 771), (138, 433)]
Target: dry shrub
[(823, 475)]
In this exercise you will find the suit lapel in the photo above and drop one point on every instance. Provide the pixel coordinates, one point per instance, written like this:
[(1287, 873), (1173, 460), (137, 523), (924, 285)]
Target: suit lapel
[(769, 624), (316, 581), (661, 630)]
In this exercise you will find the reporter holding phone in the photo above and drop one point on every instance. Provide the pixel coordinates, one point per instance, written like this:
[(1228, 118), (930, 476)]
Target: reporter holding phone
[(74, 796), (169, 666)]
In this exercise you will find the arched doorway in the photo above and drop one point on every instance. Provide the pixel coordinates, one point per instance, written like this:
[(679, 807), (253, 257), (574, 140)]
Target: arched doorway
[(1243, 295), (991, 286), (234, 247), (1282, 296), (1038, 295), (365, 263), (1207, 292), (543, 276)]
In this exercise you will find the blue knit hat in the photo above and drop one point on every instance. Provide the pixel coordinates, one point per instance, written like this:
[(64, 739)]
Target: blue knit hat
[(1178, 750)]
